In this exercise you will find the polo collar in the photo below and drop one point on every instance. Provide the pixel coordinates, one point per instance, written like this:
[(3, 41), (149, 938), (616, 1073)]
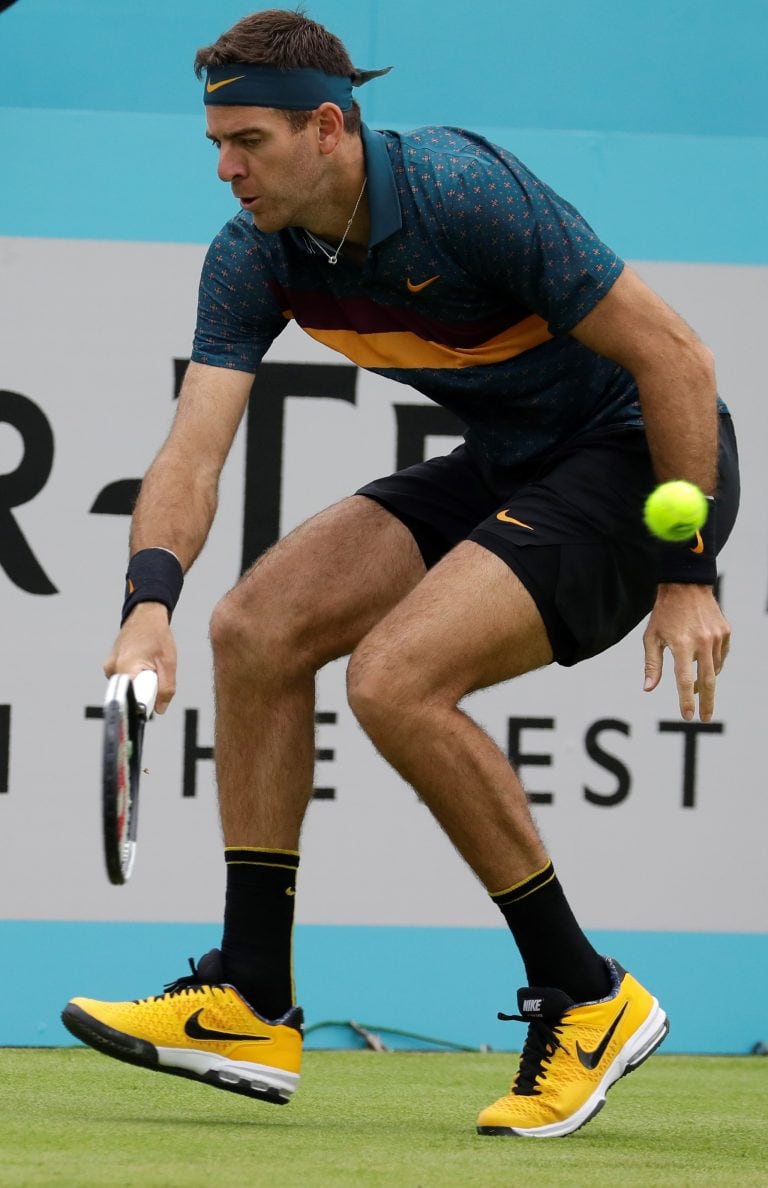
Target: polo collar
[(383, 201)]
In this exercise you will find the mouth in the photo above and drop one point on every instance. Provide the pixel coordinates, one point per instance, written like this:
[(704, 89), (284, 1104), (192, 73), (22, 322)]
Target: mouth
[(248, 202)]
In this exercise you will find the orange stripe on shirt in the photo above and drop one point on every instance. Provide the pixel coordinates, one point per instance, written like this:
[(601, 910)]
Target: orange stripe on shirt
[(403, 350)]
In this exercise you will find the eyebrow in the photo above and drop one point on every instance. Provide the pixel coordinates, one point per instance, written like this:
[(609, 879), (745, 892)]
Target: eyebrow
[(239, 135)]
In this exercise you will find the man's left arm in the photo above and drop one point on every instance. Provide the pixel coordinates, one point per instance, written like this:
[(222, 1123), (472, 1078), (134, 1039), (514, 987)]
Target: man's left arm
[(675, 376)]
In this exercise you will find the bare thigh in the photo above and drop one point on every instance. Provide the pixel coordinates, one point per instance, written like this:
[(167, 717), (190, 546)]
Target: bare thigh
[(469, 624), (325, 585)]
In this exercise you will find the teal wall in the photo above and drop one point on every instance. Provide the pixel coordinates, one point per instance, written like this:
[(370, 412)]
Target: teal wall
[(652, 118), (443, 983)]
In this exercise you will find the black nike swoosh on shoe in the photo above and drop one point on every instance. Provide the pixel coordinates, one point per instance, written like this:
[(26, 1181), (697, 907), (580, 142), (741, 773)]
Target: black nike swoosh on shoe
[(194, 1029), (591, 1059)]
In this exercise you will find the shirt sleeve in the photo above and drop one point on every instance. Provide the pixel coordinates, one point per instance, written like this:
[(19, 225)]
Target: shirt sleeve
[(238, 314), (515, 233)]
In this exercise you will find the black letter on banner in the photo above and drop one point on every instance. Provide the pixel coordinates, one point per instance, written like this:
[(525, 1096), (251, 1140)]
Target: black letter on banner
[(192, 752), (21, 485), (517, 759), (264, 440), (179, 371), (690, 730), (119, 498), (5, 745), (609, 762), (417, 422), (324, 755)]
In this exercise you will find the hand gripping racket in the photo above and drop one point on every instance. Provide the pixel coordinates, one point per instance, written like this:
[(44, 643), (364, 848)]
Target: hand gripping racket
[(128, 706)]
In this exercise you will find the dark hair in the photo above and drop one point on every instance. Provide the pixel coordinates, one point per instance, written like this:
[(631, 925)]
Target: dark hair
[(288, 40)]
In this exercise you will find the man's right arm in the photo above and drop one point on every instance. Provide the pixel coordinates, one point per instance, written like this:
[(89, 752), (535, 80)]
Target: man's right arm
[(176, 507)]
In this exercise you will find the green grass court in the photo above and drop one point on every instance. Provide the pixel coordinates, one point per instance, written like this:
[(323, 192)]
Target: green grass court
[(71, 1117)]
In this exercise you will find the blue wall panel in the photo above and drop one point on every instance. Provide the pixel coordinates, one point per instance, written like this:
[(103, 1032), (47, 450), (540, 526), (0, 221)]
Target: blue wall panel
[(136, 176), (445, 983)]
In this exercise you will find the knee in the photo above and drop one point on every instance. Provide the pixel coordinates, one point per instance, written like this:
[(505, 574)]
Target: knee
[(232, 629), (369, 681), (250, 637), (381, 689)]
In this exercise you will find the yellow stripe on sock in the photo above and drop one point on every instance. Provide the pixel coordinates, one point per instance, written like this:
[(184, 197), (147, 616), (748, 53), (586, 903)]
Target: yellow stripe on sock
[(533, 890), (263, 850), (522, 883)]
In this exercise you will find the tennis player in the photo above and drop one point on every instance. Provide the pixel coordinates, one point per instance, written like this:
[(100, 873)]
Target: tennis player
[(439, 260)]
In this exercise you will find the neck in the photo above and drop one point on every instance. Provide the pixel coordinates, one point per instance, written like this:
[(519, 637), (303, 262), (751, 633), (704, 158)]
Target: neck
[(332, 210)]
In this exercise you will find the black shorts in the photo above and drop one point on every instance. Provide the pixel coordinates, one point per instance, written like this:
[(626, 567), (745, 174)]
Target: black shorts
[(570, 527)]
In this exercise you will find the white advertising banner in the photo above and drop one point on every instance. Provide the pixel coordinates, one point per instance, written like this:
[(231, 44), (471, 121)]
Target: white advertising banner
[(653, 823)]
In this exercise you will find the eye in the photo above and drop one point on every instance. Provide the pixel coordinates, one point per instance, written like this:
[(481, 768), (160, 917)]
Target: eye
[(214, 143)]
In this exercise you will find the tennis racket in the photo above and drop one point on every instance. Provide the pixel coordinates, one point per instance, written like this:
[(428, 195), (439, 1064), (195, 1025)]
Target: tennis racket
[(128, 706)]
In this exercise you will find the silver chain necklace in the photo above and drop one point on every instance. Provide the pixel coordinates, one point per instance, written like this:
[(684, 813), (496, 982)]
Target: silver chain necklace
[(333, 257)]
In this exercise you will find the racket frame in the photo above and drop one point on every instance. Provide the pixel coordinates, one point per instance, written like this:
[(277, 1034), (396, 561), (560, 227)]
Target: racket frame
[(128, 704)]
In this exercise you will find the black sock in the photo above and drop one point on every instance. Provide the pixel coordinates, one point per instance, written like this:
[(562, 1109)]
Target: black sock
[(256, 947), (554, 950)]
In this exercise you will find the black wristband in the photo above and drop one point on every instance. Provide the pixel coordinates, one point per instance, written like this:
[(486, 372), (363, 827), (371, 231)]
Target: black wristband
[(692, 561), (154, 575)]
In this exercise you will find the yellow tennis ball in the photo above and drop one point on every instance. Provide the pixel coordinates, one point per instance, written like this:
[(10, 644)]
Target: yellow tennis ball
[(675, 511)]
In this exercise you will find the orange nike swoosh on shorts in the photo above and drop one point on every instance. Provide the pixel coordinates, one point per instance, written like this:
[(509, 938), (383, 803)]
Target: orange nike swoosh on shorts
[(412, 288), (503, 515), (699, 546)]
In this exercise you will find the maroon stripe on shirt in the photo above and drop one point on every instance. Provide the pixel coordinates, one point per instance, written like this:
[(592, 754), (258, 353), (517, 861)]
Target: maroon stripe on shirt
[(320, 311)]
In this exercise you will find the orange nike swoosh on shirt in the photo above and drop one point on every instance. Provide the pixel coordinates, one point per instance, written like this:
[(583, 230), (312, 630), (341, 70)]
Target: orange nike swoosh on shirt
[(503, 515), (224, 83), (412, 288), (699, 546)]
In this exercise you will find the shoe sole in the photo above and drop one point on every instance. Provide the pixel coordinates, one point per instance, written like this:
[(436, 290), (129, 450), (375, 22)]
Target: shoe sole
[(258, 1081), (640, 1045)]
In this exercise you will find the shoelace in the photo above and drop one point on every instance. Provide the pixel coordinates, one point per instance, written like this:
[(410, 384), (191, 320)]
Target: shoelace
[(189, 982), (541, 1043)]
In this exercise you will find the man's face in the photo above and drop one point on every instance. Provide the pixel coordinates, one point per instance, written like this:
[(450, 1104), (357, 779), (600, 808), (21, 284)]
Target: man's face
[(272, 170)]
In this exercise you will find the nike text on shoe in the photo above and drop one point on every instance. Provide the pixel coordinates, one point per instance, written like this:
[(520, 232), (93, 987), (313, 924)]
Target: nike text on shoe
[(202, 1028), (574, 1052)]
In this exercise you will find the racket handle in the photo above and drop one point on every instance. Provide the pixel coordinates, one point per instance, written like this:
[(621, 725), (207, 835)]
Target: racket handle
[(145, 692)]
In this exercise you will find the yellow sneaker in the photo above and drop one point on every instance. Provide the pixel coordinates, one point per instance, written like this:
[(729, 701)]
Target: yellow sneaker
[(572, 1056), (199, 1028)]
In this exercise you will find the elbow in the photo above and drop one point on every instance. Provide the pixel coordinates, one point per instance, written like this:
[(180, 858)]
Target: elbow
[(681, 358), (705, 359), (694, 356)]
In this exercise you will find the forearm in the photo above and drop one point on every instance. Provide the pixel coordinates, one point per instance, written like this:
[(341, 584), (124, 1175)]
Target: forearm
[(174, 511), (679, 402), (175, 508), (179, 493), (674, 372)]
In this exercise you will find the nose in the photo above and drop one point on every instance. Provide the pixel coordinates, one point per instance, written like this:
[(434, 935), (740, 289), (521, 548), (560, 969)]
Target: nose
[(232, 163)]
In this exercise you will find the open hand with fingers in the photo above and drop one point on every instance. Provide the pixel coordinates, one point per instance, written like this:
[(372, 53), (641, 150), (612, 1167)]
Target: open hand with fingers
[(687, 619)]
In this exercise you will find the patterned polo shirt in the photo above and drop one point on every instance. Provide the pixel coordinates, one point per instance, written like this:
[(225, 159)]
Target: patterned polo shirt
[(476, 271)]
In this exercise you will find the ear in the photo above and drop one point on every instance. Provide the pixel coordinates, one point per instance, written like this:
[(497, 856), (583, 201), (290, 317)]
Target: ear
[(329, 121)]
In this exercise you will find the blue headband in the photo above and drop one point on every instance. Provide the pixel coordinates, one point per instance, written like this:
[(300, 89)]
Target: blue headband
[(242, 84)]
